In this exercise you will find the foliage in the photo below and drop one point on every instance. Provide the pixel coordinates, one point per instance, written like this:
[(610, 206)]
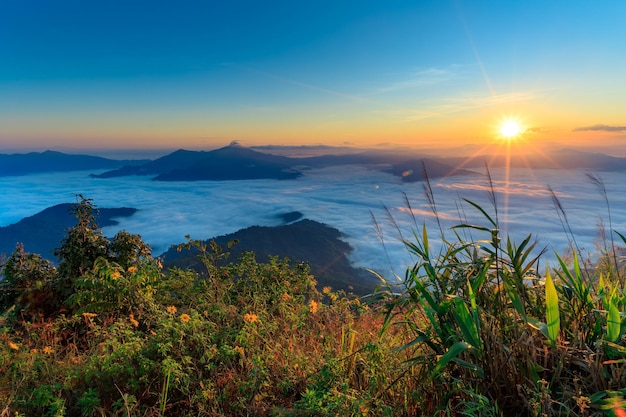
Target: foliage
[(239, 339), (476, 312), (472, 329)]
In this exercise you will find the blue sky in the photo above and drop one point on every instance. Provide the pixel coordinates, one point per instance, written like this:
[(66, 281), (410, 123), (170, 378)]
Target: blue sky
[(200, 74)]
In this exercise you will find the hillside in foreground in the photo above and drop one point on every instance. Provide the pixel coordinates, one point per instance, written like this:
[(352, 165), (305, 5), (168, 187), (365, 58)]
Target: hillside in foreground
[(473, 331)]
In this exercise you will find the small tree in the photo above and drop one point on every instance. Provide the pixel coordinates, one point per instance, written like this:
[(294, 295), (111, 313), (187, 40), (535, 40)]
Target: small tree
[(28, 284), (81, 247)]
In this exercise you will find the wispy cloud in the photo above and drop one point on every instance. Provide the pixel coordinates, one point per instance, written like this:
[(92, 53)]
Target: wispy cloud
[(600, 128), (459, 104), (536, 130), (518, 188), (426, 213), (420, 78)]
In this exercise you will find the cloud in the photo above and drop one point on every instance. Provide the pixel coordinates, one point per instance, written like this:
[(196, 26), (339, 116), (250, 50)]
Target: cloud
[(454, 105), (600, 128), (342, 197), (536, 130), (429, 76), (426, 213)]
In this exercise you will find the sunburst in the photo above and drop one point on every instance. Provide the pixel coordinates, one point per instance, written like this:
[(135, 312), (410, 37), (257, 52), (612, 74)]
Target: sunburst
[(510, 129)]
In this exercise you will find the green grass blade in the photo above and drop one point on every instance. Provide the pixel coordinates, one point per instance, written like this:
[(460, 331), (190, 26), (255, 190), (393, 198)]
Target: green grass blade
[(466, 322), (613, 323), (471, 366), (475, 315), (454, 351), (553, 320), (575, 281), (621, 236), (479, 208), (513, 293)]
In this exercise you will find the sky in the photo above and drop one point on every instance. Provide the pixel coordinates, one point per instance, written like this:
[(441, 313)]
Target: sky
[(200, 74)]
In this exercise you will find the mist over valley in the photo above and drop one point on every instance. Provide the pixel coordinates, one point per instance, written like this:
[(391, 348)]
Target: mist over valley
[(341, 191)]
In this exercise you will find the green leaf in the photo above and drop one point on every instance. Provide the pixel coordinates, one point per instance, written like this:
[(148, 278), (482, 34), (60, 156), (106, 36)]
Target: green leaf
[(471, 366), (466, 322), (614, 323), (454, 351), (513, 293), (553, 320), (479, 208)]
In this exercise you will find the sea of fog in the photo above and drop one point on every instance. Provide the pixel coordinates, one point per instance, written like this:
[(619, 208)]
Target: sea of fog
[(343, 197)]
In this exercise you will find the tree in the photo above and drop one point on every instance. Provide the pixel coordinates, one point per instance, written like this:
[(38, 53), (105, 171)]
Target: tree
[(81, 247)]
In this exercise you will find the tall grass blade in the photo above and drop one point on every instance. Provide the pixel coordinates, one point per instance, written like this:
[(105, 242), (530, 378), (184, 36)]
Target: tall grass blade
[(599, 183), (452, 353), (479, 208), (514, 293), (466, 322), (553, 320), (621, 236), (613, 323), (575, 280)]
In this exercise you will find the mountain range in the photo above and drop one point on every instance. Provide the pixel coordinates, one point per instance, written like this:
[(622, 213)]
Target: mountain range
[(232, 162), (51, 161), (236, 162)]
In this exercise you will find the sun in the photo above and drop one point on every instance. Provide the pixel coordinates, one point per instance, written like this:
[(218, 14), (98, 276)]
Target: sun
[(510, 129)]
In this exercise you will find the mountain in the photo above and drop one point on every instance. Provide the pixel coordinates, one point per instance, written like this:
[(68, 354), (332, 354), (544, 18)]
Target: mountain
[(42, 233), (315, 243), (232, 162), (416, 169), (51, 161), (165, 164), (235, 162), (555, 159)]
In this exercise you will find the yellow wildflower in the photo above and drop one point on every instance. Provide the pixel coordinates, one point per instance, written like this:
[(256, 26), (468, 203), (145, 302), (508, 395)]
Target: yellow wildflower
[(115, 275), (134, 322), (89, 315), (132, 269), (240, 350), (171, 309), (285, 297), (327, 290), (33, 351), (250, 318), (47, 350), (14, 346), (313, 306), (185, 318)]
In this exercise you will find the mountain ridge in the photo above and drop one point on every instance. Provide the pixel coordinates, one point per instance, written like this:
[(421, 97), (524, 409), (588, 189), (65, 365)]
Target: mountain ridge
[(52, 161)]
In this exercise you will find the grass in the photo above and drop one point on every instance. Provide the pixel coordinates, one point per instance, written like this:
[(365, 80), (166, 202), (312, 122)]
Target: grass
[(472, 329)]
